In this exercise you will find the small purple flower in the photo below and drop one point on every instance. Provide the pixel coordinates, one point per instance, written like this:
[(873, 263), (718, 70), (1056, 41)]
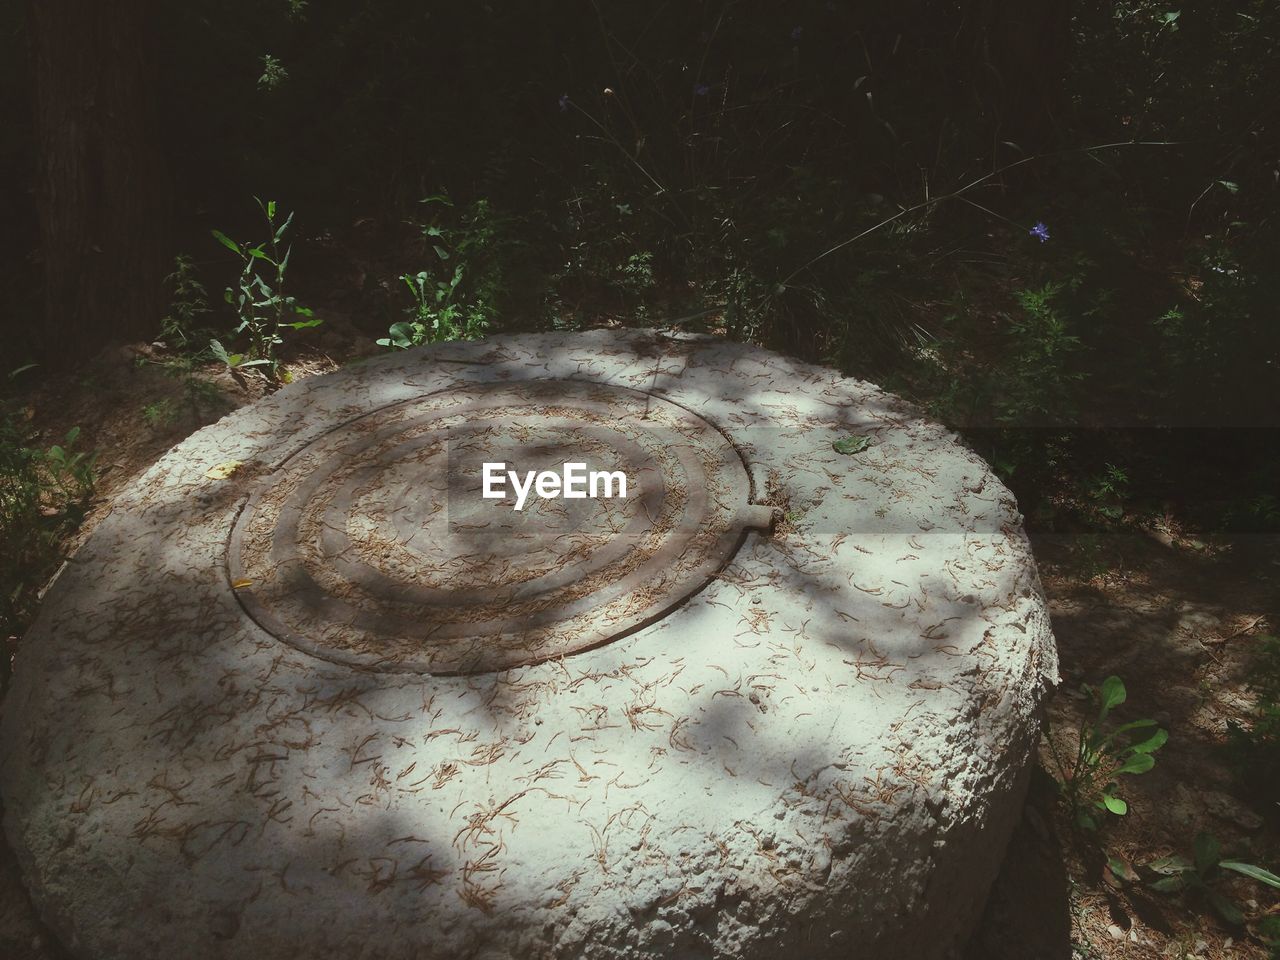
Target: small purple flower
[(564, 103), (797, 33), (701, 89), (1041, 231)]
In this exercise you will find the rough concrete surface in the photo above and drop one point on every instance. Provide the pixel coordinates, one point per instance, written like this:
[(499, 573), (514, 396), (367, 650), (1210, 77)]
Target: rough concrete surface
[(820, 750)]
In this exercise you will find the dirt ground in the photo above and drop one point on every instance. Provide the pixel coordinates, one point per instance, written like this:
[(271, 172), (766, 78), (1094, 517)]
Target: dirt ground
[(1179, 624), (1176, 619)]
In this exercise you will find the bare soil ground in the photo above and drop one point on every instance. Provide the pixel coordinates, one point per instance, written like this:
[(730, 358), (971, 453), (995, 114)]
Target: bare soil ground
[(1180, 624), (1176, 619)]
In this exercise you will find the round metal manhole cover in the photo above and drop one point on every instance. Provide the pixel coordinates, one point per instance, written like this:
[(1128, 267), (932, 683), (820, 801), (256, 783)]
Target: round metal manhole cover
[(374, 545)]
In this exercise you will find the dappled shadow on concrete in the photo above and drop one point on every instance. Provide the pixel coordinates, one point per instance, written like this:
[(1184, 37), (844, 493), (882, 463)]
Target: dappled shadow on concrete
[(261, 736)]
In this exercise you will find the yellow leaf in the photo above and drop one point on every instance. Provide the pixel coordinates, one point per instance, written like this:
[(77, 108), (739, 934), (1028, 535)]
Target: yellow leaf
[(223, 470), (236, 585)]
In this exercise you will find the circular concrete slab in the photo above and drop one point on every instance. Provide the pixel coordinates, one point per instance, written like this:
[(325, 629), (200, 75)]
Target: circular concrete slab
[(337, 703), (374, 545)]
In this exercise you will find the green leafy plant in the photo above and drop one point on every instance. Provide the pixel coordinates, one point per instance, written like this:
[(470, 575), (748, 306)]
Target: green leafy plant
[(455, 297), (437, 317), (159, 414), (273, 73), (1039, 381), (180, 328), (70, 472), (43, 495), (1203, 873), (1107, 491), (186, 343), (260, 302), (1089, 780)]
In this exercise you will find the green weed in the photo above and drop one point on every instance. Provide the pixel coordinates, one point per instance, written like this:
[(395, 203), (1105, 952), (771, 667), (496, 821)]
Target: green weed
[(1202, 874), (458, 296), (161, 413), (180, 328), (263, 308), (437, 317), (1088, 779), (43, 495)]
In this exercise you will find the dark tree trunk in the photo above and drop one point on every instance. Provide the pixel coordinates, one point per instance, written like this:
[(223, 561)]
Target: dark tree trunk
[(102, 190)]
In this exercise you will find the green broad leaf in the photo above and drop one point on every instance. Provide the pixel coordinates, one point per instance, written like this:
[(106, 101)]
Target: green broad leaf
[(1172, 16), (1173, 884), (1225, 908), (1152, 743), (1134, 725), (271, 209), (1104, 741), (441, 252), (219, 351), (1138, 763), (1115, 805), (1171, 866), (1249, 870), (1125, 728), (383, 342), (72, 435), (1110, 695), (1122, 870), (851, 444), (283, 227), (1207, 852), (227, 242), (303, 324), (401, 335)]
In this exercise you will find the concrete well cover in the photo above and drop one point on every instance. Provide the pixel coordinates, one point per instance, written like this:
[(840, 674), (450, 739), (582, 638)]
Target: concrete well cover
[(338, 704)]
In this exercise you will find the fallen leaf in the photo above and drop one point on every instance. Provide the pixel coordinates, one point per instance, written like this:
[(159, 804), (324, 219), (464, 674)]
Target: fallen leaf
[(237, 584), (1119, 872), (851, 445), (223, 470)]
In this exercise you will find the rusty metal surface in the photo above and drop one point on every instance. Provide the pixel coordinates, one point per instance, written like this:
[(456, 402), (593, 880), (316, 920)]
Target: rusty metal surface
[(373, 547)]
